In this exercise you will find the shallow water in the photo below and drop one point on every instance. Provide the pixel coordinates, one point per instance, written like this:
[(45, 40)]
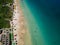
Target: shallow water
[(43, 17)]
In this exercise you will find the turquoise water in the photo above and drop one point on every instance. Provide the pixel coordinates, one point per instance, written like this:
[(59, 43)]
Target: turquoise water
[(45, 15)]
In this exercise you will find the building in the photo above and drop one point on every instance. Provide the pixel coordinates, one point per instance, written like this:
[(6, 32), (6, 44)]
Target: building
[(5, 37)]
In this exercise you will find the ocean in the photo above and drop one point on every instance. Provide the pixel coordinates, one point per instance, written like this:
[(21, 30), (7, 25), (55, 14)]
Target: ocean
[(43, 17)]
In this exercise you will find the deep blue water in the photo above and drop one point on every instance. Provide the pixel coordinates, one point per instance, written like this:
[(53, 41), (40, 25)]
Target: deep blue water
[(47, 12)]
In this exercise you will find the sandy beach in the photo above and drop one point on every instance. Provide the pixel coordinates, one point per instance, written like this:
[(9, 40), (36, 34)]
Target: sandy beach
[(20, 29)]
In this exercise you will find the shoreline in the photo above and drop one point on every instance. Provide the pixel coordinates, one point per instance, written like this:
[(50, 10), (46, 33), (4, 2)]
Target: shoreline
[(21, 29), (33, 27)]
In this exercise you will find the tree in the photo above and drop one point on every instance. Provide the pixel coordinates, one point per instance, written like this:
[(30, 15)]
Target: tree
[(5, 13)]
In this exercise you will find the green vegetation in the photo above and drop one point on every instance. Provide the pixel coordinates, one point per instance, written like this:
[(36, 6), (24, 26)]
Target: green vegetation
[(11, 38), (6, 1), (6, 13)]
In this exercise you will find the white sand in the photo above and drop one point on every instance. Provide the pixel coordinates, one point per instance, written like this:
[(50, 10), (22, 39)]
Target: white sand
[(18, 21), (19, 25)]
